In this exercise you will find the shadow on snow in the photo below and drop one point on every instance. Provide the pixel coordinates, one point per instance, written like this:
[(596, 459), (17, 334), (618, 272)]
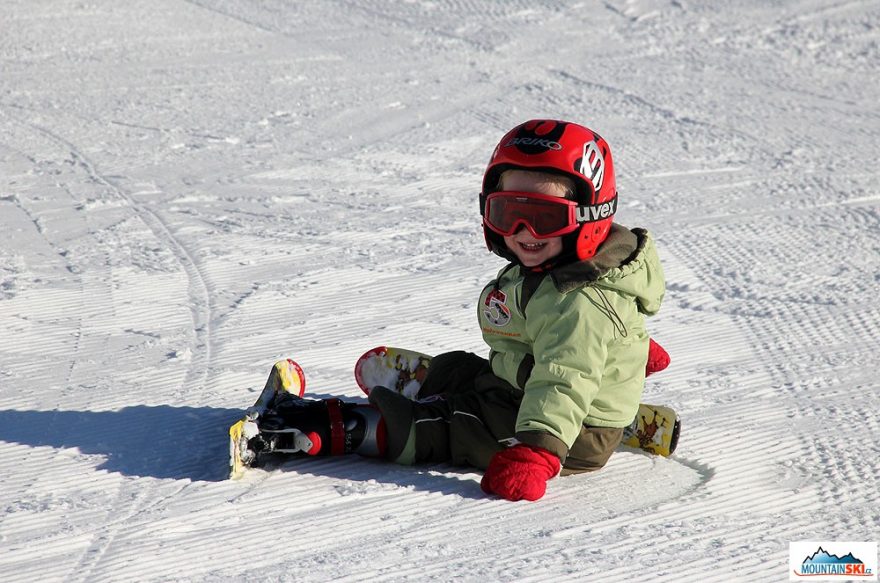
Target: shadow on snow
[(193, 443), (160, 441)]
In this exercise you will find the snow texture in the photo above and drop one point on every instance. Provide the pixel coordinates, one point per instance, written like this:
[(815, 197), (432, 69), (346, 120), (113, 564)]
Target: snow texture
[(191, 190)]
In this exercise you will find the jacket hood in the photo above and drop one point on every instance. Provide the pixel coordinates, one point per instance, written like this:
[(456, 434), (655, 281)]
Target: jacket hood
[(626, 262)]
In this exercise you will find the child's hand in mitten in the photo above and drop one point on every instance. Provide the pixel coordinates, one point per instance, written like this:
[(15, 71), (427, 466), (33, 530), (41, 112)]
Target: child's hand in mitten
[(658, 358), (520, 472)]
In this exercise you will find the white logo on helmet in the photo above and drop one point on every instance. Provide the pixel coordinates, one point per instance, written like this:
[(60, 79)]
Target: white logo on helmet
[(593, 165)]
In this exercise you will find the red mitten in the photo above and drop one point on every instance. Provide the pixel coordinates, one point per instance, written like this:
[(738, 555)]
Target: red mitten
[(520, 472), (658, 358)]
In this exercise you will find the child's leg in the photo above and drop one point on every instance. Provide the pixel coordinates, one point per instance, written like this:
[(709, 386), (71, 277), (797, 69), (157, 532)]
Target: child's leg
[(483, 422), (466, 427), (452, 372), (591, 449), (420, 431)]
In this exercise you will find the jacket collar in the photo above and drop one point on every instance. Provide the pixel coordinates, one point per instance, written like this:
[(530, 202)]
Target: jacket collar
[(619, 248)]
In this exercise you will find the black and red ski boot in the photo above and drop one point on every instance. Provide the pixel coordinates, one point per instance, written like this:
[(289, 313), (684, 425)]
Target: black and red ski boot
[(319, 427)]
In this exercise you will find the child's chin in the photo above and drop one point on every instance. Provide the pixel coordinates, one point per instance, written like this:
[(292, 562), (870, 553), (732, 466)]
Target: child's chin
[(530, 261)]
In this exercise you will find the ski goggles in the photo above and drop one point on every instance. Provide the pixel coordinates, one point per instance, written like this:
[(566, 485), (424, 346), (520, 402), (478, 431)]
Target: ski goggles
[(542, 214)]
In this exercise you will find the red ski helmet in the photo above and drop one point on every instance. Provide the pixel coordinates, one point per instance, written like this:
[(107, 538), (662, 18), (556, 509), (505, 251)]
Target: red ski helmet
[(568, 149)]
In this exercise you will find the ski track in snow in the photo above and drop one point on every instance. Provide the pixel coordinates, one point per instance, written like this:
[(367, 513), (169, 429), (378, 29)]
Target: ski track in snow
[(191, 191)]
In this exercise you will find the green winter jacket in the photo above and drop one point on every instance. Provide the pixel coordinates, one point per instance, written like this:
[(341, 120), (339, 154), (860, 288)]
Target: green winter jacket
[(574, 340)]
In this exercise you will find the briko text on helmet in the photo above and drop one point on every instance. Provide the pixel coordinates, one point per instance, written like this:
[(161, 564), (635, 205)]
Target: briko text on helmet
[(549, 144)]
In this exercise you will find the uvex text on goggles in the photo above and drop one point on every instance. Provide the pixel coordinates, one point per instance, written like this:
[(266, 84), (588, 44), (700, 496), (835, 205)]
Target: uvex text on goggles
[(542, 214)]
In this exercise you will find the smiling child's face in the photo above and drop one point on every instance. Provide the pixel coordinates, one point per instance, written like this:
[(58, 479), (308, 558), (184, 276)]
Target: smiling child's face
[(531, 251)]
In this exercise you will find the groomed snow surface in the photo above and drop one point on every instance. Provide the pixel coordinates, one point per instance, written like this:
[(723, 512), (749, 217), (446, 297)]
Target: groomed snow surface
[(191, 190)]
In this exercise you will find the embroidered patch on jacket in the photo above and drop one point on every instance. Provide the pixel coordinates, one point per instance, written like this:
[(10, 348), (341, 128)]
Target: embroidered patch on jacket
[(495, 308)]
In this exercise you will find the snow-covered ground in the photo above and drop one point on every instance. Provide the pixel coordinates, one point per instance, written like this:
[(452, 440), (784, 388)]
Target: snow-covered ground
[(190, 190)]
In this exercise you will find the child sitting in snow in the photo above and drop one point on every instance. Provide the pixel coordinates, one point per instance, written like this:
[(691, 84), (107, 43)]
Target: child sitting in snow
[(564, 321)]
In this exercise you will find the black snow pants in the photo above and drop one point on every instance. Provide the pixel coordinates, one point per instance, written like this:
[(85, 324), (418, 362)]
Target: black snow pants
[(465, 414)]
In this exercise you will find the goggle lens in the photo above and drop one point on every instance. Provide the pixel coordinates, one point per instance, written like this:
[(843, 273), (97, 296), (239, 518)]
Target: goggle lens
[(543, 215)]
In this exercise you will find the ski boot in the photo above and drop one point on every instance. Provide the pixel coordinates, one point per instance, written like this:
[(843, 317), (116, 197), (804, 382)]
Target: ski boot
[(317, 428), (286, 377)]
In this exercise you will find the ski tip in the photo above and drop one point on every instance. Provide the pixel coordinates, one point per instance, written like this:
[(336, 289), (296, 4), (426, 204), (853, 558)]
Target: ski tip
[(359, 367), (291, 377), (236, 467)]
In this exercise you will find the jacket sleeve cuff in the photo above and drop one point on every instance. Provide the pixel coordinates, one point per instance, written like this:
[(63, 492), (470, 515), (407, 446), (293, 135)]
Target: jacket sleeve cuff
[(546, 441)]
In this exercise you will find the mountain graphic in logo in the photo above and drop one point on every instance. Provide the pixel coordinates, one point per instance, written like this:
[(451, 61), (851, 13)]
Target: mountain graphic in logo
[(821, 556)]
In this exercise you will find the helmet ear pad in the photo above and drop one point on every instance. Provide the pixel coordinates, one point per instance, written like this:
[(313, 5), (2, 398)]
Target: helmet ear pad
[(589, 237)]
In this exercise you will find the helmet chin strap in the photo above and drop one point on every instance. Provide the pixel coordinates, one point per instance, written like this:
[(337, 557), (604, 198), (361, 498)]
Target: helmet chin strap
[(568, 253), (566, 256)]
